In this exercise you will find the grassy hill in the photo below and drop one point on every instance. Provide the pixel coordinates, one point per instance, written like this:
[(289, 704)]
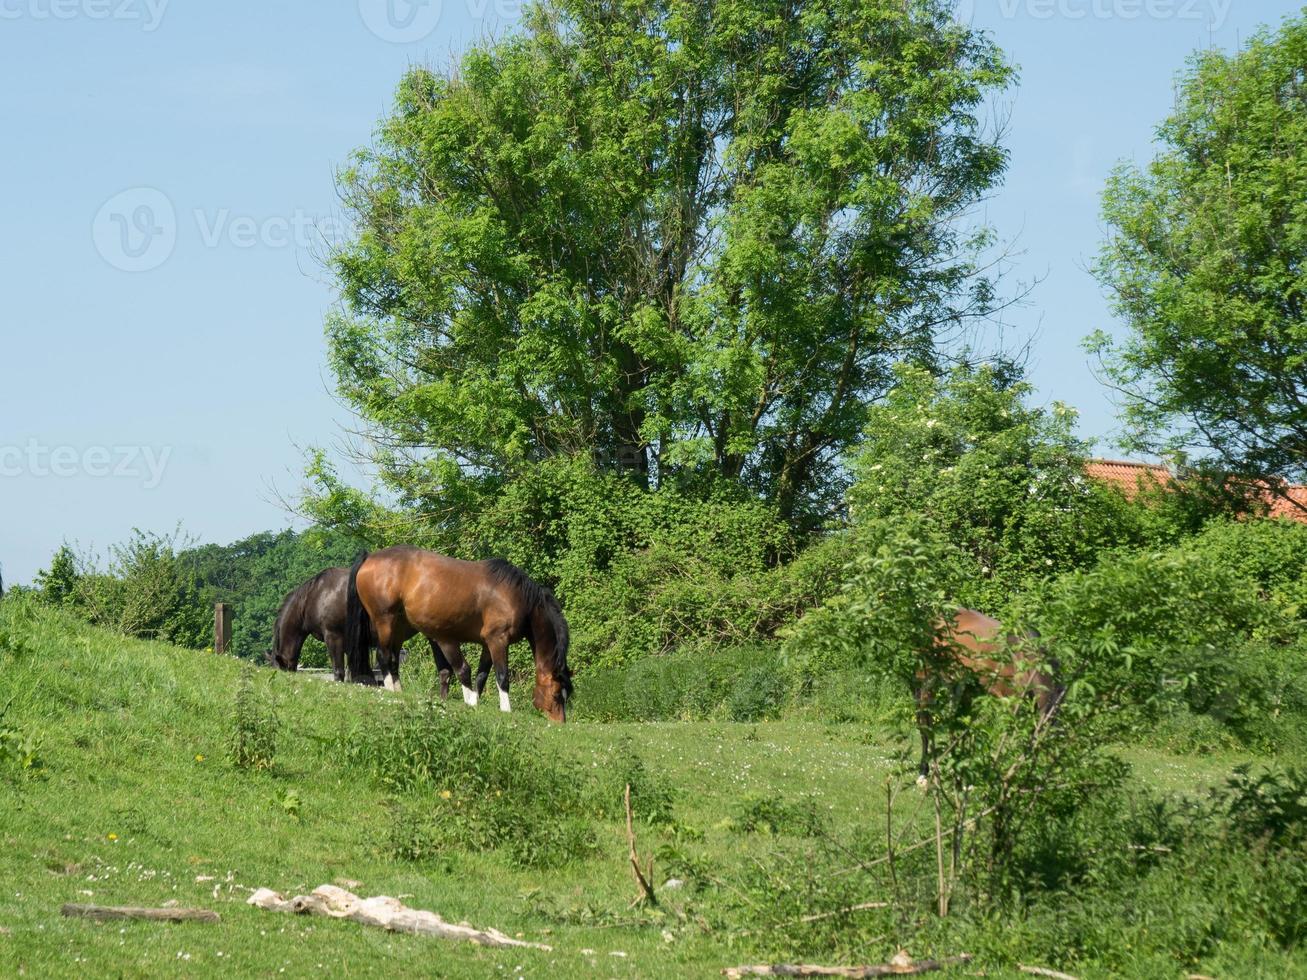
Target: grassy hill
[(118, 788)]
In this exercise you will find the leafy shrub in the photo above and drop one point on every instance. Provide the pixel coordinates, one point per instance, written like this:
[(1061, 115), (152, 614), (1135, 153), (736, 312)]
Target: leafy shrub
[(652, 797), (1268, 808), (254, 726), (145, 591), (1003, 483), (902, 579), (1271, 553), (771, 815), (19, 749), (640, 572), (57, 585), (743, 683), (481, 784), (1160, 631), (758, 694)]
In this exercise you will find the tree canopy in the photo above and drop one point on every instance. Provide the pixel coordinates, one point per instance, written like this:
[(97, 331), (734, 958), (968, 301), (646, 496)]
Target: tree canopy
[(686, 240), (1206, 265)]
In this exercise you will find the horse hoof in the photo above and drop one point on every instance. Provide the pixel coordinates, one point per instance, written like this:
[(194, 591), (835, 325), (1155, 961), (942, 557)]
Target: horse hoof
[(922, 782)]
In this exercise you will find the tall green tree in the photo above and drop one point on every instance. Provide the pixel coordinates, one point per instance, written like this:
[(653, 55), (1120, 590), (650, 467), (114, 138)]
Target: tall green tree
[(1208, 266), (685, 239), (1002, 481)]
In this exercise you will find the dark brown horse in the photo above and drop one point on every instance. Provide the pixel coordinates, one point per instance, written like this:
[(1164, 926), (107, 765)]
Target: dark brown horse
[(1005, 665), (317, 608), (402, 591)]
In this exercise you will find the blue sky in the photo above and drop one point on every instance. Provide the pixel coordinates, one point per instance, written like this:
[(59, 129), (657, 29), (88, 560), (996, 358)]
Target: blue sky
[(178, 382)]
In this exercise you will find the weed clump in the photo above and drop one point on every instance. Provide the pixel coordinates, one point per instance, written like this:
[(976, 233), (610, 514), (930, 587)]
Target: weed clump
[(254, 726), (771, 815), (19, 749), (472, 783)]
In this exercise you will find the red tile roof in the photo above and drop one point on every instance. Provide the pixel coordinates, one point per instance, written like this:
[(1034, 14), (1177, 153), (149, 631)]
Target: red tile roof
[(1131, 478), (1294, 510)]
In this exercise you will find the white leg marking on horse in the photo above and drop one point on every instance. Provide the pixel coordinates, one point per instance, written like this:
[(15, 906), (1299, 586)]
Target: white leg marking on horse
[(394, 684), (388, 683), (469, 696), (922, 782), (504, 704)]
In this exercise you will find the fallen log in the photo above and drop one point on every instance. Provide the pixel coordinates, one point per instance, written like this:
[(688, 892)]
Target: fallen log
[(382, 912), (1041, 971), (901, 965), (103, 913)]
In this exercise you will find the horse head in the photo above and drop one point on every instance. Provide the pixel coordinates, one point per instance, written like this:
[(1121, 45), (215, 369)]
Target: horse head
[(549, 642)]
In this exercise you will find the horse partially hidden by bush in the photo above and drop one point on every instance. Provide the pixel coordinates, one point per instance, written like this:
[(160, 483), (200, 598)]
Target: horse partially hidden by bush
[(1004, 665), (402, 591), (318, 608)]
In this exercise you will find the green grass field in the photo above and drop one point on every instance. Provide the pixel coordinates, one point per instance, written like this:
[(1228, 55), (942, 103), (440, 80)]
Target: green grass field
[(136, 802)]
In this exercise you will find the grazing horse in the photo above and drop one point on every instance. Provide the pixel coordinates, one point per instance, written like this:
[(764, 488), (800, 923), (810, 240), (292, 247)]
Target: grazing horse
[(1003, 664), (402, 591), (317, 608)]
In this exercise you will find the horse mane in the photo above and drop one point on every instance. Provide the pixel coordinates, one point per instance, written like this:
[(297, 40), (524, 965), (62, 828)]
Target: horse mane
[(537, 596)]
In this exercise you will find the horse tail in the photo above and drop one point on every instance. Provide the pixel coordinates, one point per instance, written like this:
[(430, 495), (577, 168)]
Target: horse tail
[(358, 628)]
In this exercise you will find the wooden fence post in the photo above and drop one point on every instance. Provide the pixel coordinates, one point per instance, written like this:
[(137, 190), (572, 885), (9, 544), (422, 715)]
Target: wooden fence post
[(221, 628)]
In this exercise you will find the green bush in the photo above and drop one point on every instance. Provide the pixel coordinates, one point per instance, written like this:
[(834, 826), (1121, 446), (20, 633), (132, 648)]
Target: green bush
[(903, 578), (1125, 883), (482, 785), (743, 683), (771, 815), (1271, 553), (146, 590), (1178, 630), (758, 694), (640, 572), (652, 798), (1002, 482), (57, 585)]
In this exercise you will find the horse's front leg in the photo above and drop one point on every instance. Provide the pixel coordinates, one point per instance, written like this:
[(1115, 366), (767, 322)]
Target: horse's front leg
[(458, 665), (483, 670), (923, 727), (497, 652)]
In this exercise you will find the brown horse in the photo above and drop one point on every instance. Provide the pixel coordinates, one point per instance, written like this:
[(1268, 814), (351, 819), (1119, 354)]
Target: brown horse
[(1004, 664), (402, 591), (317, 608)]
